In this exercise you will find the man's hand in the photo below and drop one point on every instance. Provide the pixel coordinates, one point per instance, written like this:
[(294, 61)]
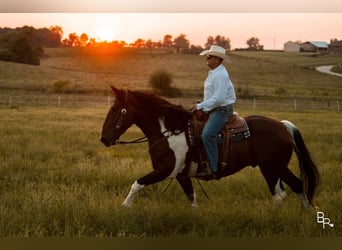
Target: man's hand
[(193, 108)]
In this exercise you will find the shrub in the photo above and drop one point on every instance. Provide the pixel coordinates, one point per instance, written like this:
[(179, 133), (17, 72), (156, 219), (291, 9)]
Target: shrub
[(161, 80), (337, 69), (59, 86), (280, 91), (244, 92)]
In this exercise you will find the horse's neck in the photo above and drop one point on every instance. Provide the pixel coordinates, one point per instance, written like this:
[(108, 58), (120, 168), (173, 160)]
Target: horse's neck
[(149, 126)]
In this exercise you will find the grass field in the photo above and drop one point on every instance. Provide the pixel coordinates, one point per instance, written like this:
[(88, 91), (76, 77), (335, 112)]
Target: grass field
[(57, 179)]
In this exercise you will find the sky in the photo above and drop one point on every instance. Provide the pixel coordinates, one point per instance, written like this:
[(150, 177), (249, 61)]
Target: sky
[(127, 20)]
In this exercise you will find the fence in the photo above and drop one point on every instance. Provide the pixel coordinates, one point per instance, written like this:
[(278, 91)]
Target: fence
[(97, 100), (54, 100)]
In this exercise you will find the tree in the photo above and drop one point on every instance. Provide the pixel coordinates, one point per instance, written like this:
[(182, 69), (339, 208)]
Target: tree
[(139, 43), (181, 43), (218, 40), (333, 40), (253, 44), (149, 44), (19, 46), (74, 39), (57, 30), (223, 42), (195, 49), (92, 42), (167, 41), (83, 39), (46, 37), (210, 41)]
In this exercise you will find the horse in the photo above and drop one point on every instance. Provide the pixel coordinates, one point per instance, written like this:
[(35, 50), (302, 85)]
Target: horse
[(165, 125)]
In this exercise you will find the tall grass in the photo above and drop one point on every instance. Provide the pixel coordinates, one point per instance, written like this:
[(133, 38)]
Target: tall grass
[(57, 179)]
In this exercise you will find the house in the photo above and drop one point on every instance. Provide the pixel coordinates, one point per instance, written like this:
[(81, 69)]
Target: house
[(335, 48), (291, 46), (314, 46)]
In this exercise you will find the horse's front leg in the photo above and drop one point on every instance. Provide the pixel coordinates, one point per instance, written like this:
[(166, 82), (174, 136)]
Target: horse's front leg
[(153, 177), (186, 184), (135, 188)]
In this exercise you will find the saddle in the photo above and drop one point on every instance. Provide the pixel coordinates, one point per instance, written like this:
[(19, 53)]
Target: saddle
[(235, 130)]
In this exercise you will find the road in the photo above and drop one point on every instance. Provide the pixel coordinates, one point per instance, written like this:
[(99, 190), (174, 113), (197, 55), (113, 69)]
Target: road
[(327, 69)]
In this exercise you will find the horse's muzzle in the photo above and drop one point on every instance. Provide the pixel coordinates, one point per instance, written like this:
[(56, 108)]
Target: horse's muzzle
[(107, 142)]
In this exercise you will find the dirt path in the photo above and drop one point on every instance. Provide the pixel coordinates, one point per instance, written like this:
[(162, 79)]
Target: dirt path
[(327, 69)]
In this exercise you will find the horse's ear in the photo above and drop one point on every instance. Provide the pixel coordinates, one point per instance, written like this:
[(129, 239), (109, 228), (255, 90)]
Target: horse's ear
[(118, 93), (115, 90)]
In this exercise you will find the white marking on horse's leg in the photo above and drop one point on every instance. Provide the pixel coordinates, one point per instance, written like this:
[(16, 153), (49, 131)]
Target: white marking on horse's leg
[(194, 203), (279, 194), (135, 188), (304, 200)]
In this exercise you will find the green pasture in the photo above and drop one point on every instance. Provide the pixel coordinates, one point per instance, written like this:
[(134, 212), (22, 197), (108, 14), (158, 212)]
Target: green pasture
[(57, 179)]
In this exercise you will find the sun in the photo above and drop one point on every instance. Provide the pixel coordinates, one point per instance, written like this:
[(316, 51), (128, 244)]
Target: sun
[(105, 34)]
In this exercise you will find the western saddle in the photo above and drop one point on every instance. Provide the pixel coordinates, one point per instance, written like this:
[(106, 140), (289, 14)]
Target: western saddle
[(235, 130)]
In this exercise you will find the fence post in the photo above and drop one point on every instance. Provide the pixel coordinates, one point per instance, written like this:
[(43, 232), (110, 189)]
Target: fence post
[(338, 105), (108, 101), (10, 100), (59, 101), (295, 104), (254, 103)]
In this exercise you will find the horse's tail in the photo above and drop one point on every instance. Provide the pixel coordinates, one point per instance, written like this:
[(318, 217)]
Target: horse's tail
[(308, 169)]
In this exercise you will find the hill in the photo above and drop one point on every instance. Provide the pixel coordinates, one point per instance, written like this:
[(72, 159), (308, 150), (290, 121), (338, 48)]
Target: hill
[(265, 75)]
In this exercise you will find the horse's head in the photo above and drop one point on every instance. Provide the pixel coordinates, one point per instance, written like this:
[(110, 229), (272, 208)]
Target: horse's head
[(118, 120)]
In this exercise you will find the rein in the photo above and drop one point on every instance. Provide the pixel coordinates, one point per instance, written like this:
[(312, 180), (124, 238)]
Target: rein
[(145, 139), (140, 140)]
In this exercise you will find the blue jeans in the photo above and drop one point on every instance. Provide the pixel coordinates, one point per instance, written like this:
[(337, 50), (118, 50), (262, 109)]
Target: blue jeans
[(217, 118)]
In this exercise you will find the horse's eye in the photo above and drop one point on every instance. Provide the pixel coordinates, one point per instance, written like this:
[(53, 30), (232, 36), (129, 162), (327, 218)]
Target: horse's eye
[(123, 111)]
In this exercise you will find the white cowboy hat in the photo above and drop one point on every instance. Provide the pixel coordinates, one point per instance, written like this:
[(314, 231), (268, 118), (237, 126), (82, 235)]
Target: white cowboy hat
[(216, 51)]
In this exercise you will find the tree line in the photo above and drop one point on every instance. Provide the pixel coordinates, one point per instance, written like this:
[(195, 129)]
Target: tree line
[(26, 44)]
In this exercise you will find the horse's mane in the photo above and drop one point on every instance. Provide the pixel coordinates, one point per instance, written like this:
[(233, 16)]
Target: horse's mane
[(175, 116)]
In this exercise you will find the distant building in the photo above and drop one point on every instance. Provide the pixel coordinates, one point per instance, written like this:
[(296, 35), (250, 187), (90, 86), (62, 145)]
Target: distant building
[(335, 48), (314, 46), (291, 47)]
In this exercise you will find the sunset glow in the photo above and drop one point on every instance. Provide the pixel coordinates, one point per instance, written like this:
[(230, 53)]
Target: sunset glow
[(105, 34), (273, 29)]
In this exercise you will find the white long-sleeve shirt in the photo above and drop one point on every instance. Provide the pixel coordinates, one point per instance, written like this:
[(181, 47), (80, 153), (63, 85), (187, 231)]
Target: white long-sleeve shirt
[(218, 90)]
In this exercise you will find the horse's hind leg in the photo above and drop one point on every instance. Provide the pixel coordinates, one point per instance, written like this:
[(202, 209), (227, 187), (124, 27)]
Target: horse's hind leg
[(295, 184), (274, 183), (186, 184)]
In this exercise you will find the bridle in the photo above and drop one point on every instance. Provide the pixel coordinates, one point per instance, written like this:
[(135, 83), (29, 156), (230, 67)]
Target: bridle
[(117, 126), (119, 122), (123, 112)]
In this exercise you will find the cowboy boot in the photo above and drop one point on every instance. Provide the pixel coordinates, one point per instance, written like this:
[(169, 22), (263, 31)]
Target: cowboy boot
[(206, 173)]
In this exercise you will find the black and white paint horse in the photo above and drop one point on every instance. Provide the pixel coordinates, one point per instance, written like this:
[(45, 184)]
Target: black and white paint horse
[(164, 124)]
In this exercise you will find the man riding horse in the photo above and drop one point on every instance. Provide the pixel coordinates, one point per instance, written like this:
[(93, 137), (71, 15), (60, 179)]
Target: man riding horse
[(219, 97)]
